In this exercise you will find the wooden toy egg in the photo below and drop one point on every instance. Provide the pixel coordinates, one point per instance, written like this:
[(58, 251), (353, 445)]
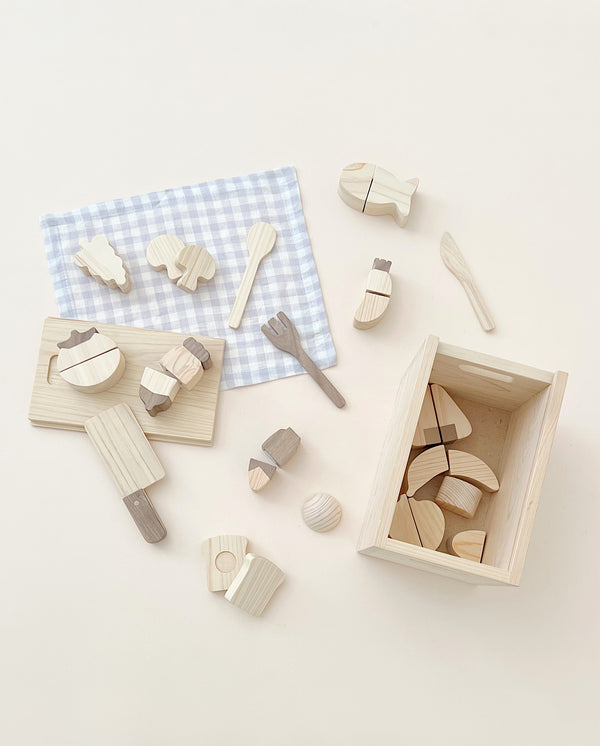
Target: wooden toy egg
[(321, 512)]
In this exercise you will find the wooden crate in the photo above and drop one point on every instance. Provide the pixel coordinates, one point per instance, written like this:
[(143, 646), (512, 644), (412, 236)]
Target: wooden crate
[(514, 410)]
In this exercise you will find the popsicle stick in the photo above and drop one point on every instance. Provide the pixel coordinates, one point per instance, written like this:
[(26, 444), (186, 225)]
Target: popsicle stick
[(261, 240)]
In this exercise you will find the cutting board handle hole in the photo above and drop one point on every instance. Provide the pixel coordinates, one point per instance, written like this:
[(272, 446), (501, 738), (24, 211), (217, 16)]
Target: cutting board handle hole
[(486, 373), (52, 375)]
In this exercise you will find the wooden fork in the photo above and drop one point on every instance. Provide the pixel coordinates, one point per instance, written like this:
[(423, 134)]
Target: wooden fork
[(284, 335)]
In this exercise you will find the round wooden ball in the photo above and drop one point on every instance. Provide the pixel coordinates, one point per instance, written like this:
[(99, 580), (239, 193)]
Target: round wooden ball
[(321, 512)]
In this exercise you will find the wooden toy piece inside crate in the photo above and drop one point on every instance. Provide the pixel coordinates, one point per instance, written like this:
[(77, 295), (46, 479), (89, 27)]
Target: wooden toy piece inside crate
[(514, 411)]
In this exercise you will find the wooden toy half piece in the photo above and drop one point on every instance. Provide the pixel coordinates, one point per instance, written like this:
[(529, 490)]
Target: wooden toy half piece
[(373, 190), (259, 474), (197, 266), (99, 260), (132, 463), (90, 361), (403, 526), (321, 512), (281, 446), (429, 521), (458, 497), (158, 389), (466, 466), (455, 261), (424, 467), (187, 362), (427, 432), (467, 544), (284, 335), (377, 295), (162, 253), (224, 558), (452, 422), (261, 239), (254, 585)]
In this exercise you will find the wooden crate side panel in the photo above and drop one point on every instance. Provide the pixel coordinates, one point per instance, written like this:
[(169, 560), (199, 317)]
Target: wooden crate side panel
[(396, 448)]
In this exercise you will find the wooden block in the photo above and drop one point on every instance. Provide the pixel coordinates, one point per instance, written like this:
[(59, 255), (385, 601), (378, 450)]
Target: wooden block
[(184, 365), (377, 295), (197, 266), (124, 449), (466, 466), (467, 544), (162, 254), (373, 190), (429, 521), (458, 497), (424, 467), (99, 260), (254, 585), (158, 389), (145, 516), (452, 422), (321, 512), (427, 432), (224, 557), (259, 474), (90, 361), (403, 526), (281, 446), (198, 350)]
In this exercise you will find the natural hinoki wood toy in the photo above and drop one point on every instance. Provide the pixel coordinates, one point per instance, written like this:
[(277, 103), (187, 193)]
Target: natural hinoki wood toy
[(427, 432), (90, 361), (466, 466), (373, 190), (197, 266), (377, 295), (259, 474), (468, 544), (162, 253), (261, 239), (403, 526), (424, 467), (458, 497), (158, 390), (99, 260), (321, 512), (284, 335), (281, 446), (187, 362), (452, 422), (455, 261), (224, 557), (129, 457), (429, 521), (254, 585)]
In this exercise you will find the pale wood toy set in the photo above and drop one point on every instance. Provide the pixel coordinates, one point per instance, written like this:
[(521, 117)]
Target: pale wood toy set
[(463, 463)]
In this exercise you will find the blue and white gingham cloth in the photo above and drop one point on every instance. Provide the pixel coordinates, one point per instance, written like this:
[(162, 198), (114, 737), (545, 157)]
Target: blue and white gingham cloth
[(216, 215)]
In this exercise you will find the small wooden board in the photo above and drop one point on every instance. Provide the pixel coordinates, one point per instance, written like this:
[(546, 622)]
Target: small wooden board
[(253, 586), (191, 419)]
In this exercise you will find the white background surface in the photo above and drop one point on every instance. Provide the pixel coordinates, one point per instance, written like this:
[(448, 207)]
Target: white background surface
[(494, 106)]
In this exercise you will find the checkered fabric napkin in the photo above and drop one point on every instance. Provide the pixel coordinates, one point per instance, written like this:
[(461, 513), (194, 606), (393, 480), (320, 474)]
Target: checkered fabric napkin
[(216, 215)]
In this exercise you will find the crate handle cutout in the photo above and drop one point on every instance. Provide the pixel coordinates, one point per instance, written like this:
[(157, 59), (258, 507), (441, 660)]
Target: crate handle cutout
[(485, 373)]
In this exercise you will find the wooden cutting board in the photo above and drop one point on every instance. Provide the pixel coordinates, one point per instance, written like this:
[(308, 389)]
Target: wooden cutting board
[(55, 403)]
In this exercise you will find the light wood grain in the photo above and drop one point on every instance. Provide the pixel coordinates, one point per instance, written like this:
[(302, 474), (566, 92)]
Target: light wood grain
[(162, 253), (145, 516), (184, 365), (255, 584), (458, 497), (403, 526), (282, 445), (455, 261), (90, 362), (54, 403), (468, 545), (158, 390), (259, 474), (123, 447), (355, 183), (452, 422), (99, 260), (424, 467), (427, 432), (429, 521), (261, 239), (373, 190), (377, 295), (321, 512), (467, 466), (224, 557), (282, 333), (197, 266)]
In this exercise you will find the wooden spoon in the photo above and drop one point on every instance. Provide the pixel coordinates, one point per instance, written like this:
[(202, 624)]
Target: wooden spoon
[(261, 239)]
